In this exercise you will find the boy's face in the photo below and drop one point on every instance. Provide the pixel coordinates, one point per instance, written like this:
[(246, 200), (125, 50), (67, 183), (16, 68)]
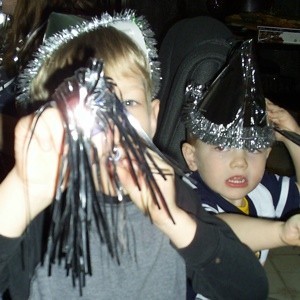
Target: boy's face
[(232, 173), (132, 92)]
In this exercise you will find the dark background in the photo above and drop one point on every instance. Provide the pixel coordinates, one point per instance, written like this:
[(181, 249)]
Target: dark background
[(163, 13), (279, 64)]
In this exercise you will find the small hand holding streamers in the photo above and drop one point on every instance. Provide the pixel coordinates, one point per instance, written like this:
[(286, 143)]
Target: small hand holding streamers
[(90, 107)]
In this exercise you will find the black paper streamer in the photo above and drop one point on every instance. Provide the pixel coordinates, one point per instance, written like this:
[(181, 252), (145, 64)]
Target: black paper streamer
[(89, 91)]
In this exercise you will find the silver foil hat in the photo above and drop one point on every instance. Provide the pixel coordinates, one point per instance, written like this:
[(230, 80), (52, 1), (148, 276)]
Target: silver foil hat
[(230, 112)]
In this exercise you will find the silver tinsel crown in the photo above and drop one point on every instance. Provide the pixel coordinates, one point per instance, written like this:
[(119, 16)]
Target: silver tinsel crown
[(147, 44)]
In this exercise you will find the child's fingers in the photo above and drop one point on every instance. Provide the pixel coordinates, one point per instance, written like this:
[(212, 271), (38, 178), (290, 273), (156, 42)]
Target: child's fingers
[(138, 187), (46, 131), (134, 185), (38, 148)]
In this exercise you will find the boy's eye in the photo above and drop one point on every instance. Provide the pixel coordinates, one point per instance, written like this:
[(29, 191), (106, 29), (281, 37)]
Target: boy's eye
[(255, 151), (221, 148), (129, 102)]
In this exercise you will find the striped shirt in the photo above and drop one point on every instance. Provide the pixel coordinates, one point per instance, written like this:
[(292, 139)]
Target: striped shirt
[(274, 197)]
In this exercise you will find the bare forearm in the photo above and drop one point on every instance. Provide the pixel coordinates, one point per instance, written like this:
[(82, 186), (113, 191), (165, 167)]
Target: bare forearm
[(256, 233), (182, 231)]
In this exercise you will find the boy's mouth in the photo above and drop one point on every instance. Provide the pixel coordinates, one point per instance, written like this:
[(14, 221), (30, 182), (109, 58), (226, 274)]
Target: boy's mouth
[(237, 181)]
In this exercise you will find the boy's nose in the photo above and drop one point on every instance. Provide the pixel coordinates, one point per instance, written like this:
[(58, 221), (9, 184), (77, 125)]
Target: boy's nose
[(239, 159)]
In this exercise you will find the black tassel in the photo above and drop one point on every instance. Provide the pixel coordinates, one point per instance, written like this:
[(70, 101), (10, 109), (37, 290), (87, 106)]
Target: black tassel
[(74, 210)]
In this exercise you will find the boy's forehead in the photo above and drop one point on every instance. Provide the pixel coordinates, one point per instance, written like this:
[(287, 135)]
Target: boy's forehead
[(128, 81)]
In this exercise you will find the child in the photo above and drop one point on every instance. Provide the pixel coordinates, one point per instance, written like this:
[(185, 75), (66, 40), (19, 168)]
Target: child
[(228, 166), (200, 244)]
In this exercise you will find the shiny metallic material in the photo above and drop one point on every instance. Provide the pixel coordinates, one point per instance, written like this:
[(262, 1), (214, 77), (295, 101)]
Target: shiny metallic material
[(98, 130), (137, 28), (231, 111)]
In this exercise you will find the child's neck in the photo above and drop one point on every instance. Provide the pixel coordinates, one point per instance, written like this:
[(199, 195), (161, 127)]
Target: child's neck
[(239, 202)]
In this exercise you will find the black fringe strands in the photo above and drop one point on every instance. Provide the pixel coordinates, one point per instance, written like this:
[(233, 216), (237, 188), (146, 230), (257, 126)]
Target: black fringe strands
[(89, 93)]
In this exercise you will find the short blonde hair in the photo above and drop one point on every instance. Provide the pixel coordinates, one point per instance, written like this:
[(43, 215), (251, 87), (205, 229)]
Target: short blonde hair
[(118, 51)]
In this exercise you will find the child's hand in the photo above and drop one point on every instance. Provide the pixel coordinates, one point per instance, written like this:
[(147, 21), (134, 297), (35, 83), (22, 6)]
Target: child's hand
[(180, 227), (282, 119), (143, 198), (37, 157), (290, 234), (30, 186)]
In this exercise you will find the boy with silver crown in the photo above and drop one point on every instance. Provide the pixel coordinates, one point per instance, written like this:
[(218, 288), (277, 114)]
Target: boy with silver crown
[(230, 131), (150, 267)]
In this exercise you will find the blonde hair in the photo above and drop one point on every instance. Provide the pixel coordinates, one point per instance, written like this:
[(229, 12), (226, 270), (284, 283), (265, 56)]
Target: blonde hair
[(120, 55)]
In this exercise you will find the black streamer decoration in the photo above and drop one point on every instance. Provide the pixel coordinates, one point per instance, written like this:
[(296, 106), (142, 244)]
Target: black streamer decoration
[(92, 94)]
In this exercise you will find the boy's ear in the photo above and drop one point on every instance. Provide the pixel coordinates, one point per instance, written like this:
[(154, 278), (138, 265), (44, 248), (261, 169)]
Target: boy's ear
[(188, 152), (154, 114)]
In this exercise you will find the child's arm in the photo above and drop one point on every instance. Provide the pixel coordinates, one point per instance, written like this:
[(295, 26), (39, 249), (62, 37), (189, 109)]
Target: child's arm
[(29, 187), (259, 233), (283, 119)]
